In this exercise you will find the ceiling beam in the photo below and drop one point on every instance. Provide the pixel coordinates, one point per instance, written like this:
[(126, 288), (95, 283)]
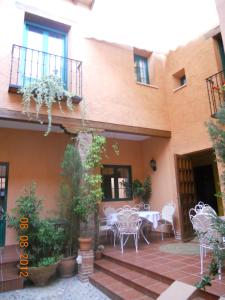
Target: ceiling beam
[(73, 125)]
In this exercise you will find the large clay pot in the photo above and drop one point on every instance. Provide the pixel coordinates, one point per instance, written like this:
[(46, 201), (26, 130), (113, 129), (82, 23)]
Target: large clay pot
[(40, 275), (85, 244), (67, 267)]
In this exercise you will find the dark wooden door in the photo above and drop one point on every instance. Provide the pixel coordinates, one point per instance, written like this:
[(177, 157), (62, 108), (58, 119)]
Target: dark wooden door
[(3, 199), (186, 194)]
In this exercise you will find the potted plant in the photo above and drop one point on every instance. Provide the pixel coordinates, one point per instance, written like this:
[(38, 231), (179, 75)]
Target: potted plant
[(44, 239), (70, 189), (142, 192), (99, 251), (44, 93), (90, 187)]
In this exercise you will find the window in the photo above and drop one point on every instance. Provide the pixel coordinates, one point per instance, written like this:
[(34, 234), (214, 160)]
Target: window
[(179, 79), (116, 184), (183, 80), (45, 52), (141, 69)]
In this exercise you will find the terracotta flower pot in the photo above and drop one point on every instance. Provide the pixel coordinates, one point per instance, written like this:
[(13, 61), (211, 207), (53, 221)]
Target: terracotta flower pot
[(67, 267), (40, 275), (98, 254), (85, 243)]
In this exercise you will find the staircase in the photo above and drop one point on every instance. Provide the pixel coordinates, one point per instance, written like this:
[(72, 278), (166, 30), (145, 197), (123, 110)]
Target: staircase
[(123, 280), (120, 280), (9, 278)]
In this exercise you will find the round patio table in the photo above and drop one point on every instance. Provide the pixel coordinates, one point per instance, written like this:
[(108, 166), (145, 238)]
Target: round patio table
[(151, 217)]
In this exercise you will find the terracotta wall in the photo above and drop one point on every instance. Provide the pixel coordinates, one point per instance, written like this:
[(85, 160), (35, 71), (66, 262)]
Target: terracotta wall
[(130, 153), (189, 106), (108, 71), (32, 157)]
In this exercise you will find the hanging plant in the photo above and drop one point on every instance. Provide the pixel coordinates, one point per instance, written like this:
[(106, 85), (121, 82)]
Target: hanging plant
[(44, 93)]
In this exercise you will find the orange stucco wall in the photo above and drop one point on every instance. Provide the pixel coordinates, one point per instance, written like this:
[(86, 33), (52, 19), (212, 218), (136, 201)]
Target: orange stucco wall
[(108, 73), (188, 106), (32, 157), (111, 94)]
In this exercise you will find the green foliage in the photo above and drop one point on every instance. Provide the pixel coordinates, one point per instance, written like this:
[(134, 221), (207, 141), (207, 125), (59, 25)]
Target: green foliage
[(144, 190), (44, 239), (91, 191), (44, 93), (72, 173), (217, 135), (46, 261)]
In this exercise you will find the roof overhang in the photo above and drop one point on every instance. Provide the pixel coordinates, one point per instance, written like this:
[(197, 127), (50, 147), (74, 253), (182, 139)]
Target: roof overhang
[(74, 125)]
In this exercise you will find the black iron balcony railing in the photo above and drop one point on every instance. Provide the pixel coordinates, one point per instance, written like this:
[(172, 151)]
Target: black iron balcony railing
[(215, 91), (29, 64)]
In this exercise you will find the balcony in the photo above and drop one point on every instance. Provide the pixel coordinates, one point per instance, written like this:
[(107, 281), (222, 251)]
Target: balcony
[(28, 65), (215, 93)]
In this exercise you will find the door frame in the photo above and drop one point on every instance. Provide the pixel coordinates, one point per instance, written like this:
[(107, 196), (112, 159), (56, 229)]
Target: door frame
[(5, 200), (180, 212)]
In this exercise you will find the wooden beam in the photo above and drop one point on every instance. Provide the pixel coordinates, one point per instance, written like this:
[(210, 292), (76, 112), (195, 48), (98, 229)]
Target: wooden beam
[(73, 125)]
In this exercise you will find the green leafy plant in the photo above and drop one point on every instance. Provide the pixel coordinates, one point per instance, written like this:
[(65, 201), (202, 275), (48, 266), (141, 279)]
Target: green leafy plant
[(91, 191), (44, 238), (142, 191), (44, 93), (217, 135), (72, 173)]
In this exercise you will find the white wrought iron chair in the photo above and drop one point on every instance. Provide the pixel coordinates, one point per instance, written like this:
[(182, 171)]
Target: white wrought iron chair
[(166, 220), (128, 223), (105, 227), (208, 210), (108, 211), (203, 224)]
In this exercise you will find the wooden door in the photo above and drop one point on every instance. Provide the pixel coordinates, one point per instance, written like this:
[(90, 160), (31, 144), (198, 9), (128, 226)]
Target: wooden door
[(186, 194)]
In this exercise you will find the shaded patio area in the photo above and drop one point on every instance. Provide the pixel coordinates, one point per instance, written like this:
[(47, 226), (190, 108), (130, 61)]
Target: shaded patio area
[(146, 274)]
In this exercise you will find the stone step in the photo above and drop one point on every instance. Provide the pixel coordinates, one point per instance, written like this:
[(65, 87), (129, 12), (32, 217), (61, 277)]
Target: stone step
[(115, 289), (9, 275), (9, 279), (136, 267), (167, 279), (143, 283)]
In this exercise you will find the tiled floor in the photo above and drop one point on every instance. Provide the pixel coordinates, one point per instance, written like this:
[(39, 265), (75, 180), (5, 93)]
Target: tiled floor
[(185, 268)]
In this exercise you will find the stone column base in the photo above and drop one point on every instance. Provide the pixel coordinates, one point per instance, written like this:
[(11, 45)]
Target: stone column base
[(86, 268)]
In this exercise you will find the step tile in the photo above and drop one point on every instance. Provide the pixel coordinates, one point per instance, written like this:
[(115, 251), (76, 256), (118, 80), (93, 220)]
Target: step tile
[(116, 289), (140, 282)]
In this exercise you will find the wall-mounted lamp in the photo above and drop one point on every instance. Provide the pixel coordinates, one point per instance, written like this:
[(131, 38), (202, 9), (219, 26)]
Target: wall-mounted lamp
[(152, 164)]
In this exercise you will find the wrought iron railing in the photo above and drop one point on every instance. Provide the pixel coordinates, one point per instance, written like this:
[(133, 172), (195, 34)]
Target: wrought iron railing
[(29, 64), (215, 92)]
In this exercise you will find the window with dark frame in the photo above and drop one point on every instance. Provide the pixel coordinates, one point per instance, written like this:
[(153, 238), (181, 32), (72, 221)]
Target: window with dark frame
[(116, 183), (141, 69), (183, 80)]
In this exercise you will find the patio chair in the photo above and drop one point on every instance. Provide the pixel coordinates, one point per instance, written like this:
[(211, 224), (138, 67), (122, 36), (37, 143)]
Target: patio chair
[(208, 209), (108, 211), (128, 224), (126, 207), (203, 224), (105, 227), (166, 223)]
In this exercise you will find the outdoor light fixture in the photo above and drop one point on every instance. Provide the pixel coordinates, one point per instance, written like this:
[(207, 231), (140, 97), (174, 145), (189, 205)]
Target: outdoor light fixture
[(152, 164)]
